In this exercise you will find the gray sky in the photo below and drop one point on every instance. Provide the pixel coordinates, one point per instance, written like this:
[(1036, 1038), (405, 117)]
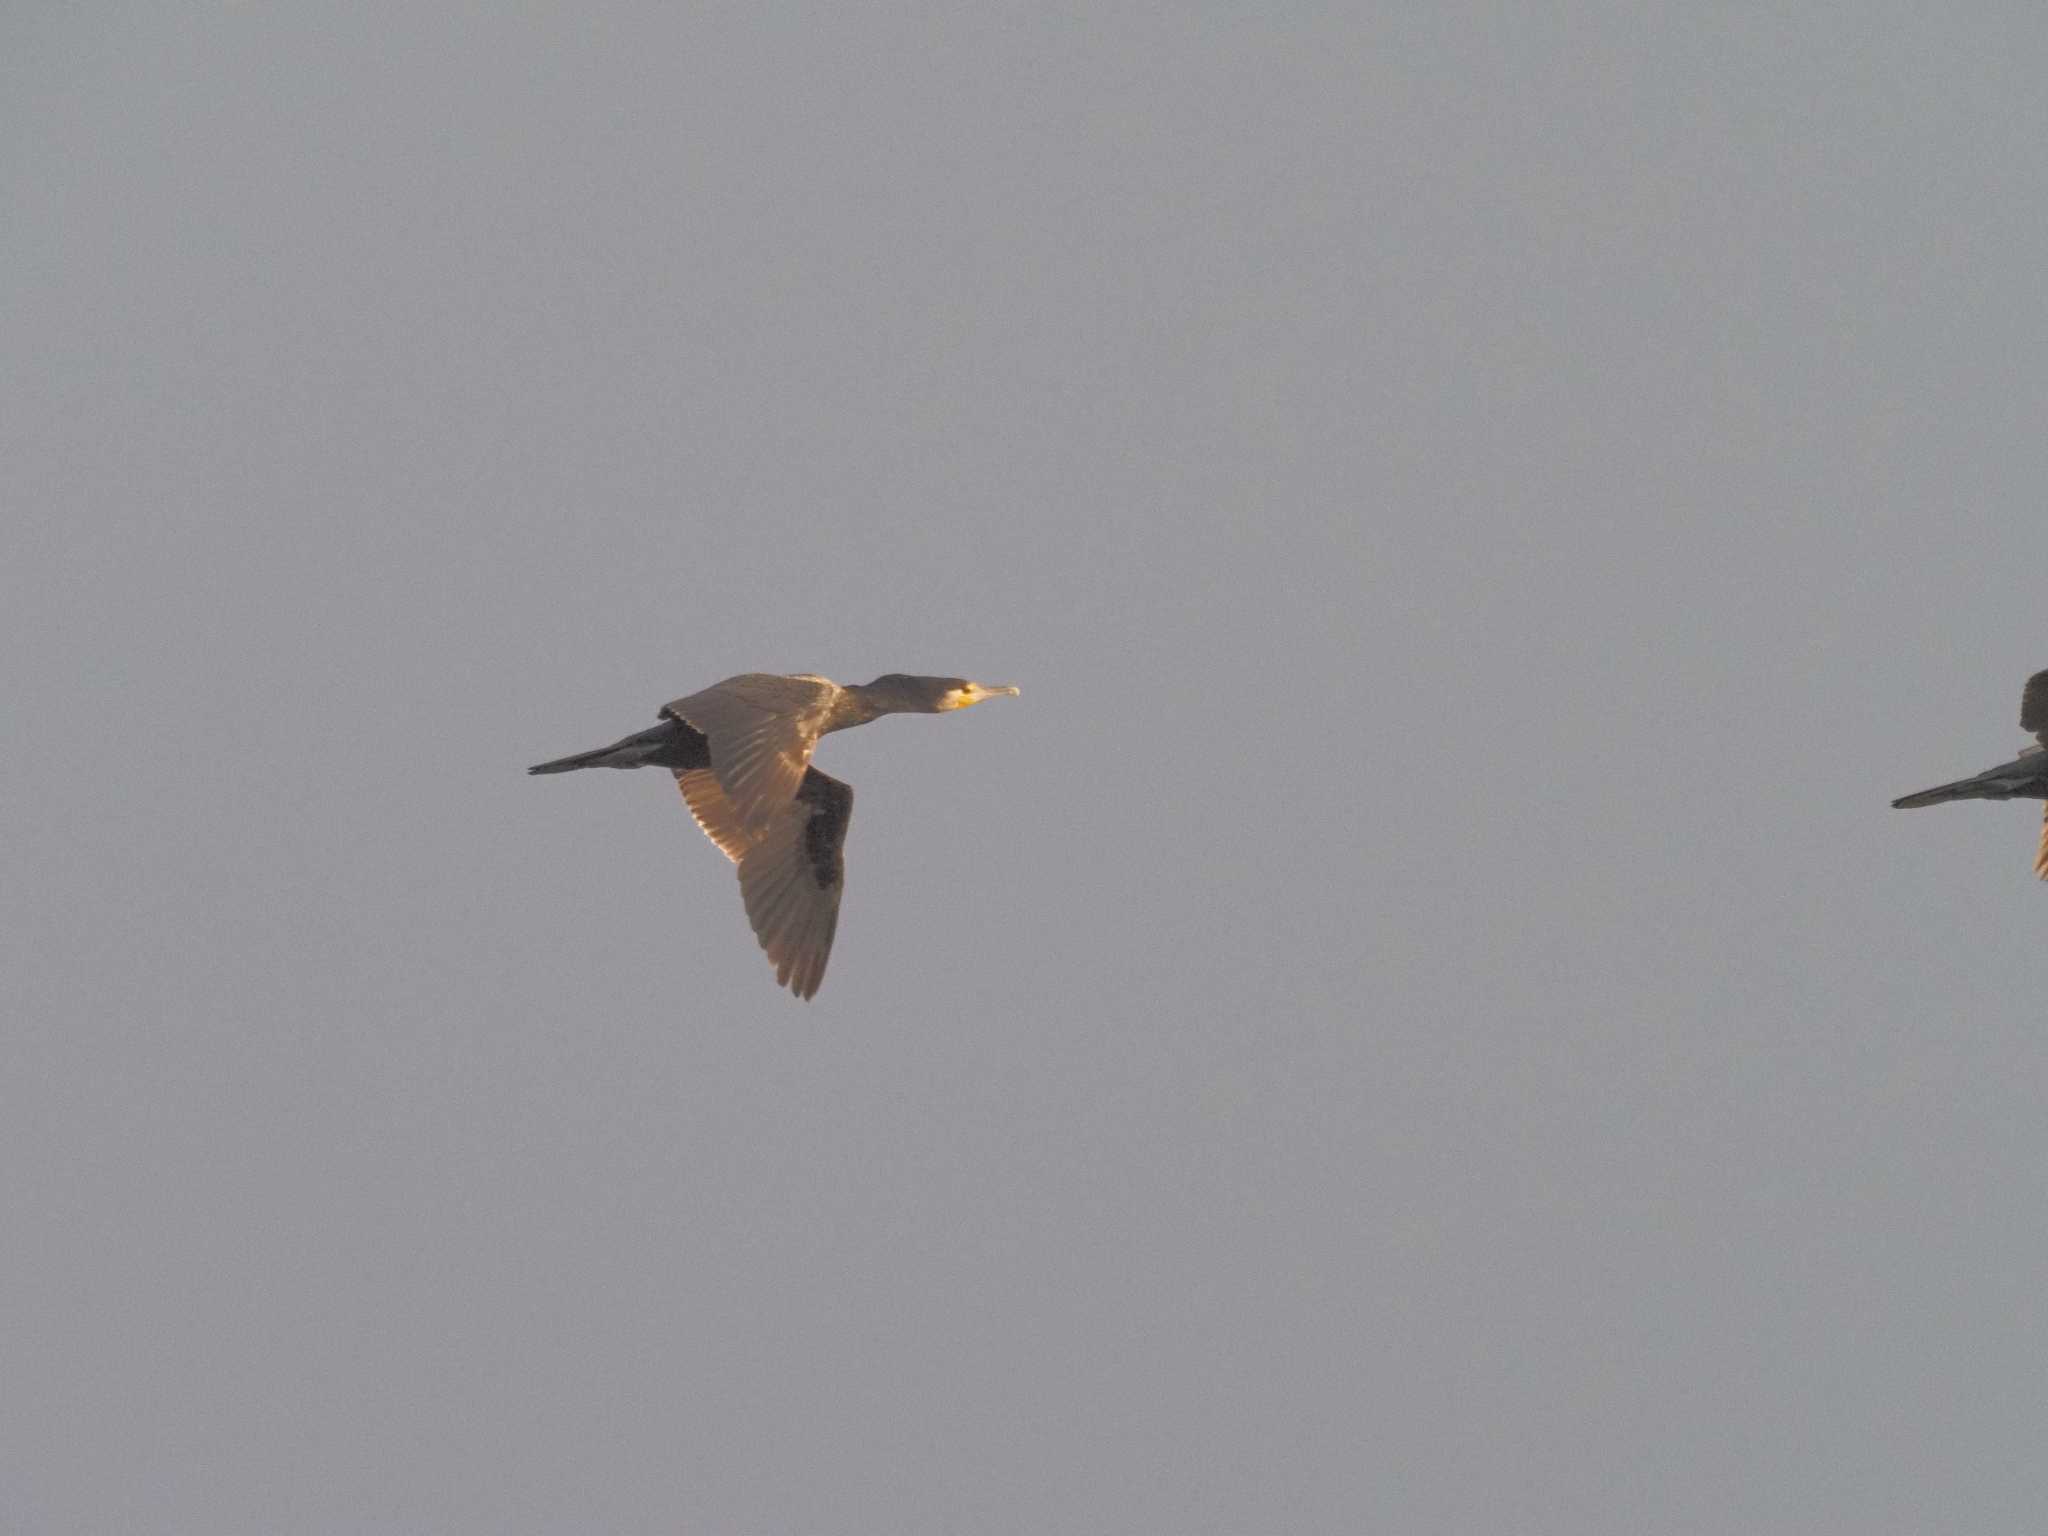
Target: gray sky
[(1419, 1019)]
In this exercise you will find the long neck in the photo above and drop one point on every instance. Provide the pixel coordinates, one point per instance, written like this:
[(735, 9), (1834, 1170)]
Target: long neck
[(857, 704)]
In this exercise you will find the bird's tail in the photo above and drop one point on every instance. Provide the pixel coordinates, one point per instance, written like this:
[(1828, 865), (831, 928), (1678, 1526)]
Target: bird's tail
[(635, 751), (1963, 789), (565, 764)]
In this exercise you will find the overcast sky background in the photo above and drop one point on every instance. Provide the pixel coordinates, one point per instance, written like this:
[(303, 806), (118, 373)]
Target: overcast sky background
[(1418, 1019)]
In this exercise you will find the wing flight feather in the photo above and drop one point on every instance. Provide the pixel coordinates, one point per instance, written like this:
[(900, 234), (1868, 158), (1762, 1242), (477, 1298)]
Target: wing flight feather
[(791, 880), (714, 813), (2034, 707), (761, 729)]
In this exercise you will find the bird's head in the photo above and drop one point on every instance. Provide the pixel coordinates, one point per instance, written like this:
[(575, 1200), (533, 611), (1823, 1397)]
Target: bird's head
[(903, 693)]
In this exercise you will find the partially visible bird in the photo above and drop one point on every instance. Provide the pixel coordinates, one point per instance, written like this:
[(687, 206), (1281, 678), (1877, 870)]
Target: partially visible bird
[(741, 752), (2024, 778)]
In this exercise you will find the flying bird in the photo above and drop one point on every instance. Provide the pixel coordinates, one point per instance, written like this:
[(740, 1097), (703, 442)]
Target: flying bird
[(741, 753), (2024, 778)]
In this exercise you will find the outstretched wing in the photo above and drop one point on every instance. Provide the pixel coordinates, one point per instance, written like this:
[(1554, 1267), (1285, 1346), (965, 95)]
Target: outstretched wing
[(2034, 707), (714, 813), (761, 728), (791, 880)]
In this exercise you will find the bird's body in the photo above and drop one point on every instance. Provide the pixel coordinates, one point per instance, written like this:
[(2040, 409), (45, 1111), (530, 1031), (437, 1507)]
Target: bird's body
[(2024, 778), (741, 754)]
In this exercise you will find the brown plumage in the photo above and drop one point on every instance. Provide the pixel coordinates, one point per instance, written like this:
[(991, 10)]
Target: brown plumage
[(741, 754)]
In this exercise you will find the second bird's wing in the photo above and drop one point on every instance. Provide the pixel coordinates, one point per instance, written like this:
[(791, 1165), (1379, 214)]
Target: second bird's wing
[(792, 878), (2034, 707), (761, 728)]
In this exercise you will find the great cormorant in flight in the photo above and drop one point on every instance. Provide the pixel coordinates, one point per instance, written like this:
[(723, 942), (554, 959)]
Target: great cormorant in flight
[(2024, 778), (741, 752)]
